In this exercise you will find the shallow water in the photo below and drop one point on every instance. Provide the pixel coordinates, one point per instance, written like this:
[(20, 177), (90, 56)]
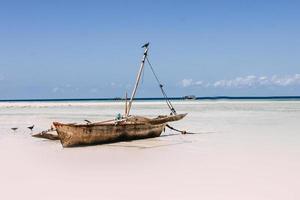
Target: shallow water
[(244, 150)]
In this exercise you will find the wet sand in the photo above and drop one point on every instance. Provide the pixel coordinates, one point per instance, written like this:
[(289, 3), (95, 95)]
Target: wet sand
[(244, 150)]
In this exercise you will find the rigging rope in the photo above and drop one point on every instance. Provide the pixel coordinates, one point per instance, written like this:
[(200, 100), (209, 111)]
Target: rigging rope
[(181, 131), (162, 90)]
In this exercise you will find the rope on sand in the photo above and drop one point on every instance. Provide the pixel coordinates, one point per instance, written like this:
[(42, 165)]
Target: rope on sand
[(180, 131)]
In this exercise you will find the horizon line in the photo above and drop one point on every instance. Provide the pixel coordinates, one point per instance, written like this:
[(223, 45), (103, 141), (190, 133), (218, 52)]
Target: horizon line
[(154, 98)]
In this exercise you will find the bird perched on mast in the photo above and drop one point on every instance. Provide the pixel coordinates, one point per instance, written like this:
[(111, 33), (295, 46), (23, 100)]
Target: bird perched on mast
[(146, 45)]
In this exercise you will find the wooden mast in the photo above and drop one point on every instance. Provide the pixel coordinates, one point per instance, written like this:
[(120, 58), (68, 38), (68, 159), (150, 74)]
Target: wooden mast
[(138, 77), (126, 104)]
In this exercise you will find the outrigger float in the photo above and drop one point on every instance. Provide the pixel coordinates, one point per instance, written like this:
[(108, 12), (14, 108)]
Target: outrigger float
[(126, 127)]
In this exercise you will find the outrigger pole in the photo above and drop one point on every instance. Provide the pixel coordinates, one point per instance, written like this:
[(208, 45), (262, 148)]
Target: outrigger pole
[(138, 77)]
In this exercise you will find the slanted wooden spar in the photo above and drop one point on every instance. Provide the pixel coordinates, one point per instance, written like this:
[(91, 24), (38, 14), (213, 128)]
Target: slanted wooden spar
[(126, 128), (138, 78)]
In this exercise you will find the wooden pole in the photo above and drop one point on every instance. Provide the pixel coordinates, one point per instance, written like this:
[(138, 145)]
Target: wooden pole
[(126, 104), (138, 78)]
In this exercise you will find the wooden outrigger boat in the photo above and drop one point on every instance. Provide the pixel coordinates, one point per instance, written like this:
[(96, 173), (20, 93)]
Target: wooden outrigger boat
[(133, 127), (125, 127)]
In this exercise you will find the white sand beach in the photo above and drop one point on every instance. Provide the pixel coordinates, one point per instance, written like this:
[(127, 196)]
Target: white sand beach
[(244, 150)]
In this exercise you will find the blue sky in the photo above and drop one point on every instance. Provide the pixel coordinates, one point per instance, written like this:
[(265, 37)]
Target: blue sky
[(90, 49)]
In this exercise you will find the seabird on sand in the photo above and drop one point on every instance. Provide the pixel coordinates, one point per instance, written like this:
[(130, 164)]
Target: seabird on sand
[(31, 127)]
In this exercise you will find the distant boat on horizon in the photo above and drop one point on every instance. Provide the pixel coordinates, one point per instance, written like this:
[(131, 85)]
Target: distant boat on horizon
[(190, 97)]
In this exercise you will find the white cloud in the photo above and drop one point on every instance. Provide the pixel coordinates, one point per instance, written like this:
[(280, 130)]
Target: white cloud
[(199, 83), (255, 81), (238, 82), (64, 88), (115, 85), (187, 82), (56, 89), (94, 90), (249, 81), (286, 81)]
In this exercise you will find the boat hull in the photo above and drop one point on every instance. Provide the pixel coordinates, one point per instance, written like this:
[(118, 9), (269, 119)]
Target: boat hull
[(131, 128), (72, 135)]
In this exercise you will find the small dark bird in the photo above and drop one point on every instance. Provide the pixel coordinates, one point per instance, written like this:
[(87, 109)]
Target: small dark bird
[(145, 45), (14, 128), (87, 121), (31, 127)]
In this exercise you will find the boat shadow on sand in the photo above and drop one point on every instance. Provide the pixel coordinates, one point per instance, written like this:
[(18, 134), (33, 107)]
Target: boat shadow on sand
[(146, 143), (154, 142)]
